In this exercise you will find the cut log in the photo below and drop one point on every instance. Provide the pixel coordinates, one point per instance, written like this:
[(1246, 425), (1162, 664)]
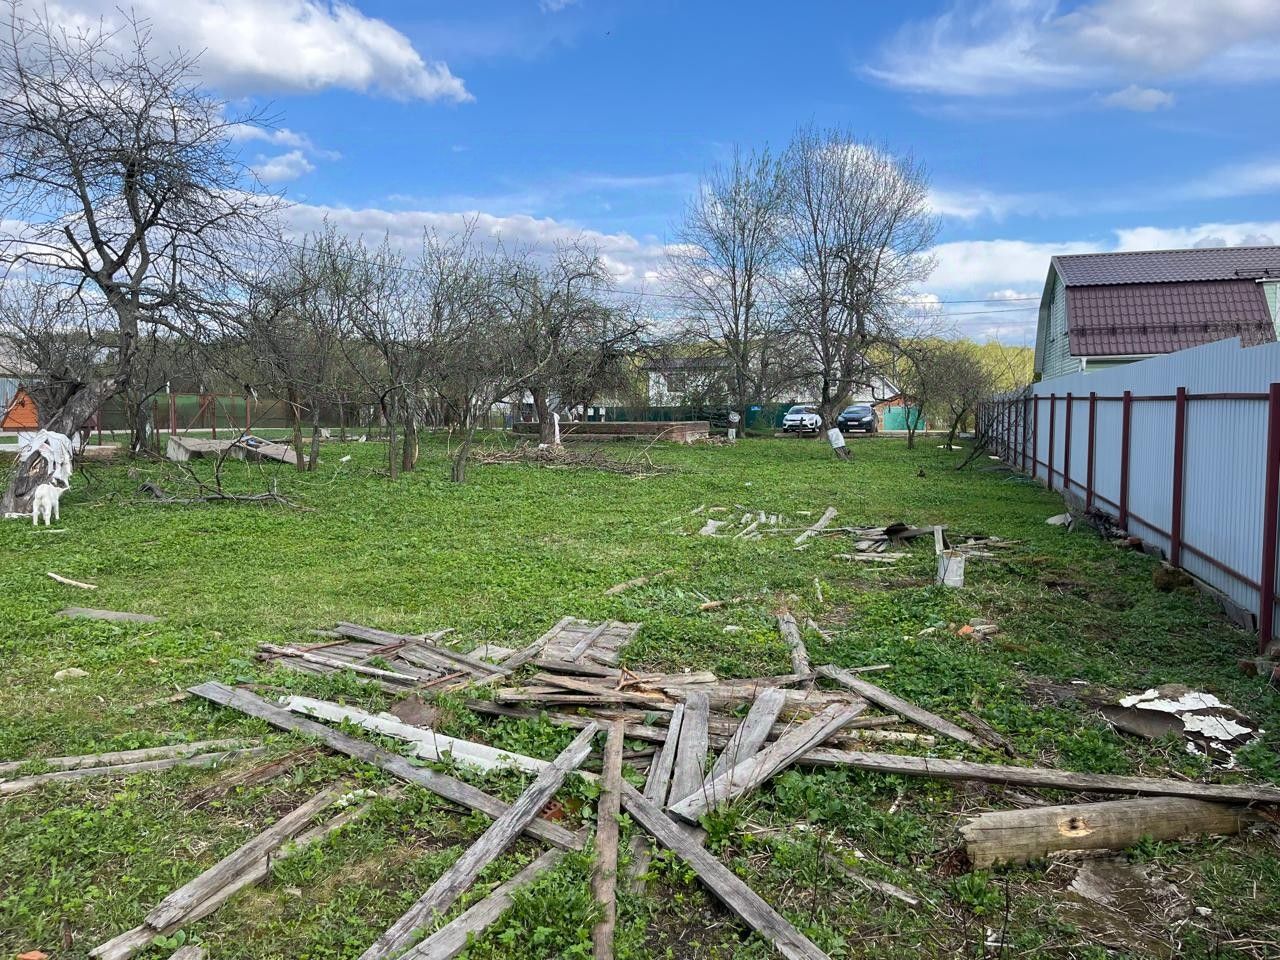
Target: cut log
[(22, 784), (721, 881), (790, 631), (454, 937), (117, 616), (883, 698), (178, 904), (1042, 777), (750, 735), (604, 876), (494, 842), (428, 744), (440, 784), (126, 756), (1017, 836), (691, 754), (73, 583), (827, 516), (755, 770)]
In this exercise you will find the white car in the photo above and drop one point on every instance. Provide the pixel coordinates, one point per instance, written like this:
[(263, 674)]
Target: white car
[(802, 418)]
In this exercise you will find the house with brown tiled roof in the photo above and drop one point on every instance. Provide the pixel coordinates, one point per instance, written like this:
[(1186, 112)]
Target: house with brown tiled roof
[(1103, 309)]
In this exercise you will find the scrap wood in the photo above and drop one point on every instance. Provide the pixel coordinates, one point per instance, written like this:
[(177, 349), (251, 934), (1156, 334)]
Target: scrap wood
[(178, 904), (125, 945), (656, 787), (1041, 777), (604, 875), (720, 880), (827, 516), (456, 935), (501, 834), (252, 776), (440, 784), (691, 751), (795, 643), (634, 582), (750, 735), (889, 558), (337, 663), (1018, 836), (22, 784), (428, 744), (118, 616), (797, 701), (125, 756), (73, 583), (709, 528), (879, 886), (566, 697), (755, 770), (888, 701)]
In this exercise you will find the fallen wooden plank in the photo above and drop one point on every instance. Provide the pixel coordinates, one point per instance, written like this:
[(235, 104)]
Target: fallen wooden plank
[(656, 787), (750, 735), (117, 616), (755, 770), (178, 904), (125, 945), (1041, 777), (583, 645), (1017, 836), (189, 952), (338, 663), (827, 516), (880, 886), (575, 685), (883, 698), (720, 880), (455, 936), (126, 756), (440, 784), (22, 784), (636, 582), (428, 744), (604, 875), (73, 583), (790, 631), (492, 844), (252, 776)]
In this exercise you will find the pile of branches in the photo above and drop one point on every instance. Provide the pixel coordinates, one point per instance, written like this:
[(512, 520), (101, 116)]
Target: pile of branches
[(541, 455)]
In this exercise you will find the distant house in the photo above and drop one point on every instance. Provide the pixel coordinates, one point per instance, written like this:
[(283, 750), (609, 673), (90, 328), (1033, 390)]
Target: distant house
[(677, 381), (1103, 309)]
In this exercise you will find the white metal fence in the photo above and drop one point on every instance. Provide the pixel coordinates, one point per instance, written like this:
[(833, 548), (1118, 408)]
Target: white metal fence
[(1183, 450)]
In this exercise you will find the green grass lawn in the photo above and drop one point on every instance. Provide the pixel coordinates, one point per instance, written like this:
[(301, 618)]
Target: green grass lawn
[(501, 559)]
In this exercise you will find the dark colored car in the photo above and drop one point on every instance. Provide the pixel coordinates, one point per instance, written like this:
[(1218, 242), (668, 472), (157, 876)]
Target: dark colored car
[(859, 416)]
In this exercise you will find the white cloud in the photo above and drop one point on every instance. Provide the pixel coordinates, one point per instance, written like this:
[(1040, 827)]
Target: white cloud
[(1140, 99), (282, 168), (554, 6), (1235, 180), (1248, 234), (1001, 47), (263, 46), (972, 203)]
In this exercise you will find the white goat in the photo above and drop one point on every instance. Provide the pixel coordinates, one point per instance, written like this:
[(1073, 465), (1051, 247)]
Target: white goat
[(44, 503)]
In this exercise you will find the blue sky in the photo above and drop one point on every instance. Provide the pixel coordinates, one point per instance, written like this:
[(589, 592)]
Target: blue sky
[(1046, 127)]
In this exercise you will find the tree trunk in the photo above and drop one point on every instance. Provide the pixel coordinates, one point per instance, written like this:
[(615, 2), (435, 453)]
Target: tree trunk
[(313, 457), (342, 421), (409, 455), (296, 410), (458, 470), (546, 426)]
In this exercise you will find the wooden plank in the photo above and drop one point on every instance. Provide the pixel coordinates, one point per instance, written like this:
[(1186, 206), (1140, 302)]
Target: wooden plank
[(454, 937), (494, 842), (178, 904), (755, 770), (1041, 777), (446, 658), (604, 876), (720, 880), (428, 744), (1017, 836), (691, 754), (126, 756), (790, 631), (750, 735), (634, 582), (72, 583), (646, 700), (883, 698), (583, 645), (827, 516), (252, 776), (22, 784), (656, 787), (337, 663), (440, 784), (116, 616)]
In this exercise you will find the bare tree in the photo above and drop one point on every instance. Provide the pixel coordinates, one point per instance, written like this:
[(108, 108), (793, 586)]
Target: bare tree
[(723, 262), (858, 227), (118, 182)]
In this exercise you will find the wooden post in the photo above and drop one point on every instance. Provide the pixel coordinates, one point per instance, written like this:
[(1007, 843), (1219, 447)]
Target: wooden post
[(1026, 402), (1093, 432), (1053, 416), (1179, 465), (1035, 435), (1066, 448), (604, 877), (1126, 418), (1270, 509)]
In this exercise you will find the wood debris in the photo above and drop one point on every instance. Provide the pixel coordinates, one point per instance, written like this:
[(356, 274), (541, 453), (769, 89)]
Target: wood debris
[(72, 583), (88, 613)]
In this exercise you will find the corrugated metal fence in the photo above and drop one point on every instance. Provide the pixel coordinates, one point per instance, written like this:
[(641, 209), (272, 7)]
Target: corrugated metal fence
[(1183, 450)]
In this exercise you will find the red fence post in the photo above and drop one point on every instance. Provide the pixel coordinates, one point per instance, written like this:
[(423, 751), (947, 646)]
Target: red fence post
[(1053, 416), (1267, 579), (1179, 454), (1035, 436), (1093, 432), (1066, 448), (1126, 417)]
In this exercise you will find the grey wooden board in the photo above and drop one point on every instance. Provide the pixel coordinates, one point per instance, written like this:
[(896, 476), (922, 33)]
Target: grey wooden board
[(607, 644), (691, 754), (118, 616), (751, 733)]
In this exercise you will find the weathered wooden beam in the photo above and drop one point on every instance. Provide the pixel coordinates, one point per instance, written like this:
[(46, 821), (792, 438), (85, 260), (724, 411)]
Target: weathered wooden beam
[(117, 616), (604, 876), (888, 701), (338, 663), (827, 516), (790, 631), (492, 844), (22, 784), (1017, 836), (691, 753), (127, 756), (656, 787), (750, 735), (720, 880), (72, 583), (442, 785), (635, 582)]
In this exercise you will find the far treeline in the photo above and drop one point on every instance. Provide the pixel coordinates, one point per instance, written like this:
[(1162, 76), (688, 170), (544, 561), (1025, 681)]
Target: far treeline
[(138, 250)]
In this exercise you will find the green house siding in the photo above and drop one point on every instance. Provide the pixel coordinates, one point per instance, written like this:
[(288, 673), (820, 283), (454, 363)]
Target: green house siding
[(1058, 360)]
